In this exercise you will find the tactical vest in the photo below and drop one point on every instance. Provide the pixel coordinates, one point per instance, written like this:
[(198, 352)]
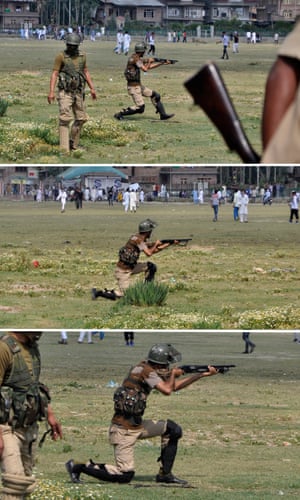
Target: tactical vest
[(130, 398), (132, 72), (23, 399), (129, 254), (71, 77)]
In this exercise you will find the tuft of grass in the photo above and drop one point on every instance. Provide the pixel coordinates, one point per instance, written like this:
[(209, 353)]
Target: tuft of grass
[(146, 294), (3, 106)]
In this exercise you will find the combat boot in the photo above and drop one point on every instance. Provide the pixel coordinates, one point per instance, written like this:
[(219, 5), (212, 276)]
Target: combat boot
[(74, 476), (125, 112), (161, 110), (170, 479)]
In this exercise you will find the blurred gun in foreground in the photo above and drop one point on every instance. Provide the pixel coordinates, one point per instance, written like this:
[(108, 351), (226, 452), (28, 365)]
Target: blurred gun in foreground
[(204, 368), (158, 59), (179, 241), (209, 92)]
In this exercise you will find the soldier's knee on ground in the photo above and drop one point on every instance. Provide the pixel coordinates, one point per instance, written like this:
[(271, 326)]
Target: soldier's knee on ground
[(141, 109), (18, 486)]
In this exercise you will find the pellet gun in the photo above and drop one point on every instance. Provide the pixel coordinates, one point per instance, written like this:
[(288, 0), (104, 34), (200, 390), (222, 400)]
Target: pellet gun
[(210, 93), (204, 368), (179, 241), (165, 373), (162, 60)]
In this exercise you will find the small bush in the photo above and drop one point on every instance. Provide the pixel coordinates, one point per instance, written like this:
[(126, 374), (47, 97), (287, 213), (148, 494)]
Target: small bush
[(145, 294), (3, 106)]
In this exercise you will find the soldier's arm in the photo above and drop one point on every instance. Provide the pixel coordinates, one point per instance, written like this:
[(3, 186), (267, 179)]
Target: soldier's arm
[(155, 247), (54, 424), (280, 92), (53, 79), (90, 83)]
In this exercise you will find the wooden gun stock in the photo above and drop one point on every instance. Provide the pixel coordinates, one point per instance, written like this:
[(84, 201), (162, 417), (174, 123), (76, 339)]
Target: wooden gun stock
[(209, 92)]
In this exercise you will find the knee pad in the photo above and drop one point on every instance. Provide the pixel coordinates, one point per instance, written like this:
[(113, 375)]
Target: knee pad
[(173, 430), (63, 123), (140, 109), (151, 270), (155, 98), (18, 485)]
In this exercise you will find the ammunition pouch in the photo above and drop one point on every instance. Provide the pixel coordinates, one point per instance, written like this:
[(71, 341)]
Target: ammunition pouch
[(132, 74), (71, 82), (21, 409), (129, 402), (6, 399), (129, 255)]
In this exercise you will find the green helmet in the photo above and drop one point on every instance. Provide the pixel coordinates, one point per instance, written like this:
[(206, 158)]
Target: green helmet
[(140, 47), (73, 39), (146, 225), (163, 354)]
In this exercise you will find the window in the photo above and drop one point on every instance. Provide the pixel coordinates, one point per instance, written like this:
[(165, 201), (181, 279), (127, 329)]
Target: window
[(148, 13), (173, 12)]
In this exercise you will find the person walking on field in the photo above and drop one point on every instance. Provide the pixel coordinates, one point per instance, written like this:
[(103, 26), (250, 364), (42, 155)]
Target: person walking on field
[(62, 196), (24, 402), (126, 43), (236, 197), (128, 264), (243, 201), (128, 425), (225, 41), (152, 44), (249, 345), (126, 200), (215, 202), (294, 207), (70, 70), (137, 63), (132, 201), (235, 45)]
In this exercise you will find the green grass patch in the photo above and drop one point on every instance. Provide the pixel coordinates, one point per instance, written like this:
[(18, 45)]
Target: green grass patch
[(145, 294)]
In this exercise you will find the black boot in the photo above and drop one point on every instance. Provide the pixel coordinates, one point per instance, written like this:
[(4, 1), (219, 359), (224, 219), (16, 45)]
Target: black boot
[(161, 110), (107, 294), (74, 476), (126, 112)]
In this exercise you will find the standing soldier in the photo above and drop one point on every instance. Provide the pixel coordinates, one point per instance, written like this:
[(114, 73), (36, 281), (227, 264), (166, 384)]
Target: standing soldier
[(71, 71), (24, 401), (137, 63)]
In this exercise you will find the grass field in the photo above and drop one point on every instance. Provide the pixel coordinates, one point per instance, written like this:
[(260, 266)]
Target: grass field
[(29, 129), (240, 431), (230, 276)]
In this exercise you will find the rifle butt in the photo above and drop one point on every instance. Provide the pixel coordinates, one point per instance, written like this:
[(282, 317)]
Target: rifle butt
[(210, 93)]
